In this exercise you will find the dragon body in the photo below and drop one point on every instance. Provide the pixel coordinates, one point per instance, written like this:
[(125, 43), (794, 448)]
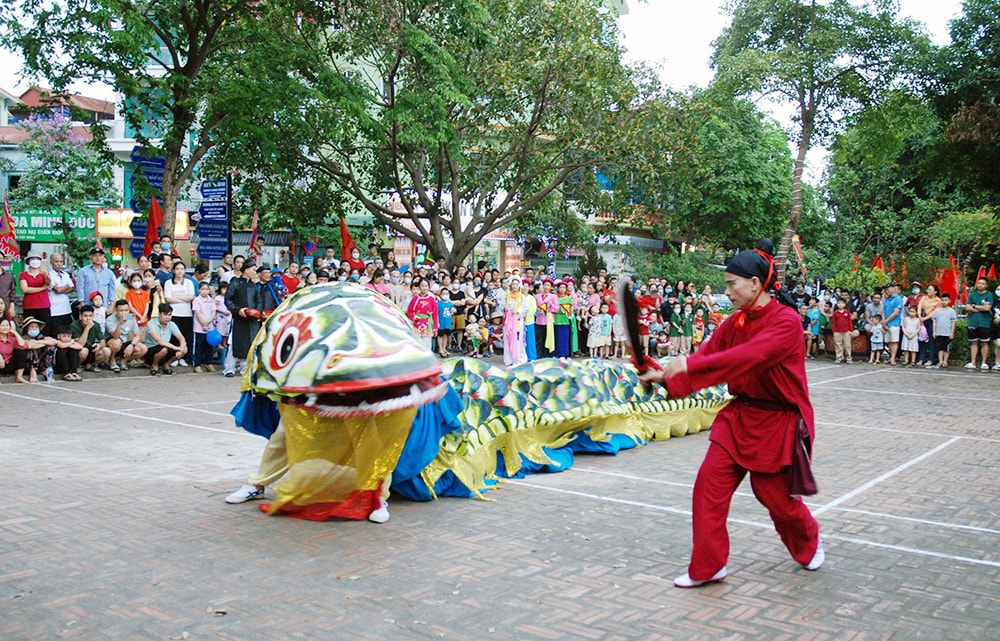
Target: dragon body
[(361, 399)]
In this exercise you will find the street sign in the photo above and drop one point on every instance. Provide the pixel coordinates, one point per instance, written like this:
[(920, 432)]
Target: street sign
[(152, 169), (215, 190), (213, 222)]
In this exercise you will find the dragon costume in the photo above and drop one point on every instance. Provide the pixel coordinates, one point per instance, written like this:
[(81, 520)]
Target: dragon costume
[(361, 398)]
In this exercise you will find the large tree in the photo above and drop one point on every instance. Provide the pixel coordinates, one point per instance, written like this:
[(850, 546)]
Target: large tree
[(444, 120), (65, 174), (744, 192), (170, 59), (825, 59)]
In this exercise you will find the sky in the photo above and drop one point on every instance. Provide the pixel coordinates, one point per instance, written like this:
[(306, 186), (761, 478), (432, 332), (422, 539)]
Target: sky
[(678, 34)]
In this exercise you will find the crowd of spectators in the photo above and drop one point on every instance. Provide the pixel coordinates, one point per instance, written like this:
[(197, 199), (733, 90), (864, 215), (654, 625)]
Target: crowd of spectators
[(162, 315)]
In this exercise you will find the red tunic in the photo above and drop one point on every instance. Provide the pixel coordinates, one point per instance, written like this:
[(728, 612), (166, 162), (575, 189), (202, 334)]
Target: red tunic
[(765, 360)]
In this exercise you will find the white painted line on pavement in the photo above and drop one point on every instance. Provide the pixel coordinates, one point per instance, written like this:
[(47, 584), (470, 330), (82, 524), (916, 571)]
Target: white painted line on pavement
[(993, 399), (827, 535), (894, 430), (844, 378), (942, 524), (749, 495), (893, 472), (143, 417)]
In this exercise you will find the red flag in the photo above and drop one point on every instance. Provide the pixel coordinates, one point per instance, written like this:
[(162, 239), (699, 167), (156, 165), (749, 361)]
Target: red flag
[(965, 291), (153, 225), (892, 266), (8, 238), (254, 233), (981, 273), (857, 261), (346, 242), (992, 274), (952, 263), (877, 262)]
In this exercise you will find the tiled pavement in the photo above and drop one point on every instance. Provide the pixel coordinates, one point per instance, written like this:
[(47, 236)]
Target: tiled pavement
[(114, 527)]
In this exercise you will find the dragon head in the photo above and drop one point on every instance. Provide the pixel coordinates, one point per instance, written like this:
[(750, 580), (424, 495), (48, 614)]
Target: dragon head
[(341, 349)]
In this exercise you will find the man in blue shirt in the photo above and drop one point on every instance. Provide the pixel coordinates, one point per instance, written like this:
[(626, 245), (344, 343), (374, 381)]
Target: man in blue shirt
[(893, 306), (96, 277)]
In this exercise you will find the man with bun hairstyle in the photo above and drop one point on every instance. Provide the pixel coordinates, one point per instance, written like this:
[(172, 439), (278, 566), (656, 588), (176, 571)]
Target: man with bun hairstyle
[(760, 353)]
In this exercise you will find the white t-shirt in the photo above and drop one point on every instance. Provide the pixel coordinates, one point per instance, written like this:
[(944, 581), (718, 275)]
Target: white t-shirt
[(59, 304), (171, 289)]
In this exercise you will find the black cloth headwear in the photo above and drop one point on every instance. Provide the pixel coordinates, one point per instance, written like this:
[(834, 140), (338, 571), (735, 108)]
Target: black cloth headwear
[(759, 263)]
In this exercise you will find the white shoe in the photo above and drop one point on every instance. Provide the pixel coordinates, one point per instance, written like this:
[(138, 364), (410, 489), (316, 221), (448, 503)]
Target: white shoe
[(818, 558), (248, 492), (996, 368), (685, 581), (984, 367), (970, 366), (381, 515)]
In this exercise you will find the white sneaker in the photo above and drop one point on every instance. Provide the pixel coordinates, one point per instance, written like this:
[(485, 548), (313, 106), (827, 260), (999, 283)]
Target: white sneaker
[(381, 515), (984, 367), (248, 492), (685, 581), (996, 368), (818, 558), (970, 366)]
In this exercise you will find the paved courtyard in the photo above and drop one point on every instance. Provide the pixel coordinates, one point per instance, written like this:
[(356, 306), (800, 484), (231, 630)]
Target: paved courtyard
[(114, 528)]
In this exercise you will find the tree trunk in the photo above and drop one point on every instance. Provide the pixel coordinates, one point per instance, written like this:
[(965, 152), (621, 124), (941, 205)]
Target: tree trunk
[(781, 256), (171, 191)]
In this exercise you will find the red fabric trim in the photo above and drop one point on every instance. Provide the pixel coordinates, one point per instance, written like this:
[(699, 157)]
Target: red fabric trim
[(357, 506)]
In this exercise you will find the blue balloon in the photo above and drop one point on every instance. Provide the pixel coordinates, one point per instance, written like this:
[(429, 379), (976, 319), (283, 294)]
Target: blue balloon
[(213, 337)]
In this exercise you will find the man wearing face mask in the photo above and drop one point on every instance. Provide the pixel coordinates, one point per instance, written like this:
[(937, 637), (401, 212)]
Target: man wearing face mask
[(96, 277), (60, 285), (34, 283)]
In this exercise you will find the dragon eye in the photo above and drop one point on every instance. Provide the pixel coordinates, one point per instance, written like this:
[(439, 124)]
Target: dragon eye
[(286, 345)]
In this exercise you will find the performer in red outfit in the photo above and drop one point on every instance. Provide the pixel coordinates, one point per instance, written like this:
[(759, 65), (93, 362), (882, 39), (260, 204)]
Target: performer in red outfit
[(759, 352)]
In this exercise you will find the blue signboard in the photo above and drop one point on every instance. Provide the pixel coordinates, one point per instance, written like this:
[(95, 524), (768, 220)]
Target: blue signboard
[(215, 190), (152, 169), (138, 245), (213, 222)]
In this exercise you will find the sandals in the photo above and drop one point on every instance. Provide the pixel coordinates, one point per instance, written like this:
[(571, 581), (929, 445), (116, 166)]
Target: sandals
[(154, 372), (116, 368), (168, 371), (72, 376)]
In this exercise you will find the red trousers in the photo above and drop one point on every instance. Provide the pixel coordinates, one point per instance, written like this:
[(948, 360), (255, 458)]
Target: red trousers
[(717, 480)]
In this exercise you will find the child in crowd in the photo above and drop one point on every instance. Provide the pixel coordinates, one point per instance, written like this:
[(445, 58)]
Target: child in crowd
[(687, 329), (223, 317), (698, 337), (645, 322), (944, 330), (814, 314), (474, 334), (714, 320), (843, 325), (446, 310), (618, 336), (495, 335), (100, 314), (911, 336), (676, 330), (662, 343), (876, 339), (606, 322), (594, 332), (203, 310)]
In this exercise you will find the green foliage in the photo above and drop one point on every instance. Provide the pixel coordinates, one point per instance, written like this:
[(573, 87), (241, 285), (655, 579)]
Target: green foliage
[(591, 263), (173, 60), (967, 234), (674, 266), (826, 59), (65, 175), (743, 193), (473, 129), (864, 279)]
